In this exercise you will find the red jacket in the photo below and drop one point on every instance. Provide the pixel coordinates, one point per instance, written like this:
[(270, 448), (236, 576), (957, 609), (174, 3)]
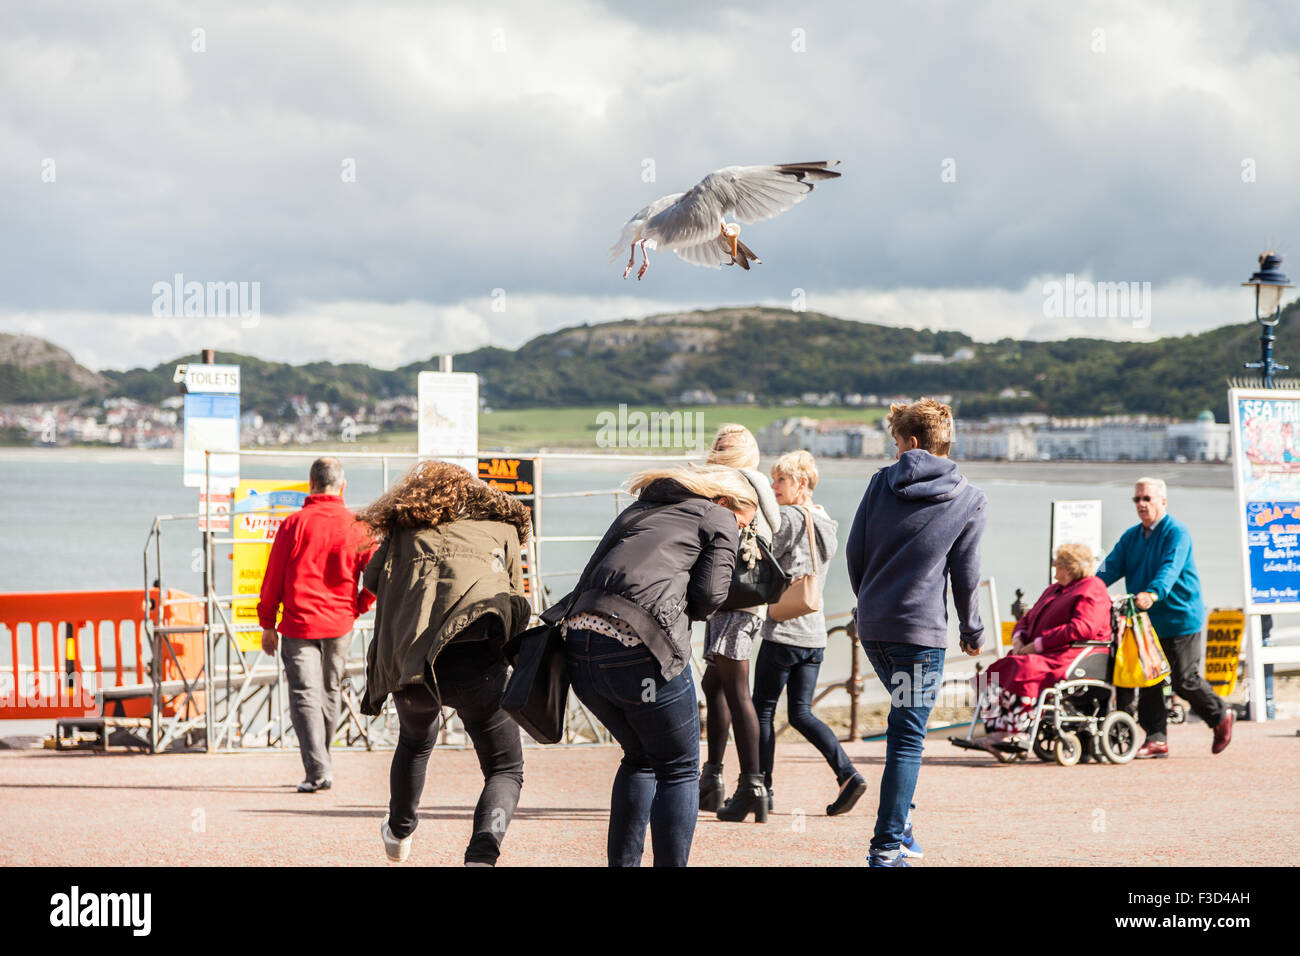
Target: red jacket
[(314, 568), (1079, 611)]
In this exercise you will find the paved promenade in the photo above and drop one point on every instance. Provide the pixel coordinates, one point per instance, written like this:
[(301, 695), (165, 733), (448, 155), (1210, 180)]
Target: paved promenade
[(1240, 809)]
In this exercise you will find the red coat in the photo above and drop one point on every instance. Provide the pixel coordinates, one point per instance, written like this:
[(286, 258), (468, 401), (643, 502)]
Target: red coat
[(314, 569), (1079, 611)]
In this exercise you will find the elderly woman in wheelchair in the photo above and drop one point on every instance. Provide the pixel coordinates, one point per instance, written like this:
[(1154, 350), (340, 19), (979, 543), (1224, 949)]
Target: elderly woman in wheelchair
[(1068, 621)]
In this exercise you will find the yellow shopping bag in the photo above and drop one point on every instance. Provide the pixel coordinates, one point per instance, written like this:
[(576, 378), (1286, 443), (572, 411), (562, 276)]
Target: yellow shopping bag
[(1140, 661)]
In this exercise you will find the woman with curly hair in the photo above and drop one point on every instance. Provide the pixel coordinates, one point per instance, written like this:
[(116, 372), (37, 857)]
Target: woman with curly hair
[(449, 593)]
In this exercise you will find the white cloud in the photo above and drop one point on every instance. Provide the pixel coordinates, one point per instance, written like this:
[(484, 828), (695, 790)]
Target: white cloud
[(509, 159)]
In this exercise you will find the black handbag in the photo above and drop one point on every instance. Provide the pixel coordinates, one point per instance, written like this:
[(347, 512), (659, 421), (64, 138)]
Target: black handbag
[(759, 583), (537, 693)]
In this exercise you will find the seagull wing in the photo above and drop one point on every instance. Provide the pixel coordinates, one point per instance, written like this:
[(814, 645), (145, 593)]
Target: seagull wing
[(714, 254), (752, 193)]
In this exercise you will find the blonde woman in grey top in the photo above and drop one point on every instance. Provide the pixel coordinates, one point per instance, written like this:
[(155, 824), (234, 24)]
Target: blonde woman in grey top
[(791, 656), (729, 638)]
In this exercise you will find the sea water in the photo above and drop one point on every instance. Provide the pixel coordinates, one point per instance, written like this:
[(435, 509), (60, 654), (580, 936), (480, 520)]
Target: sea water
[(75, 519)]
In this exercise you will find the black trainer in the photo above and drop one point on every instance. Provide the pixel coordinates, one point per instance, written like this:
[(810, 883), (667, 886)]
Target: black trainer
[(851, 790)]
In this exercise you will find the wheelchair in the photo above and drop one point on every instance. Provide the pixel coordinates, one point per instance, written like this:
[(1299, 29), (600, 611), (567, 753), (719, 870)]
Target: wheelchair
[(1075, 720)]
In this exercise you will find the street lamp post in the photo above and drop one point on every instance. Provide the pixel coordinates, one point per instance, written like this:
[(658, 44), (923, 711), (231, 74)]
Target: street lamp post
[(1269, 282)]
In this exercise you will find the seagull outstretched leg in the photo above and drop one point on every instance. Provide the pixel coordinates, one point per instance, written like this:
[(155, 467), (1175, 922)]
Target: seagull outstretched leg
[(631, 260), (645, 261)]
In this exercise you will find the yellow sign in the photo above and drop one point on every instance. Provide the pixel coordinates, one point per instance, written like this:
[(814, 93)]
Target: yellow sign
[(260, 505), (1223, 649), (1007, 628)]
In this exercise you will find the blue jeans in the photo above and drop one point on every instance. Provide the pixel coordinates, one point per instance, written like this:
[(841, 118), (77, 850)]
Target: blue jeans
[(912, 675), (658, 724), (794, 669)]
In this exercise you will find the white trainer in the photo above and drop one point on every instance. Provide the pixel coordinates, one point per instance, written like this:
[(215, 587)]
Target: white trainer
[(397, 850)]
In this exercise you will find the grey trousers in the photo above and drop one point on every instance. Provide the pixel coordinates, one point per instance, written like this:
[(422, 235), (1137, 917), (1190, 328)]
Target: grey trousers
[(314, 671)]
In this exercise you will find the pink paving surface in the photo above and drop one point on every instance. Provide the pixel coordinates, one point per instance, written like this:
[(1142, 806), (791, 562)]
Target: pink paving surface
[(1240, 808)]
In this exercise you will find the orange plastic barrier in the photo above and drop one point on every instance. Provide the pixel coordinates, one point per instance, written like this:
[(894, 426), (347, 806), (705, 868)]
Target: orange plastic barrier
[(58, 644)]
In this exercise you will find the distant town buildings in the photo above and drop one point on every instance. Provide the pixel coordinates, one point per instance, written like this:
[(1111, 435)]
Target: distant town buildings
[(1110, 438), (1032, 437), (823, 437), (127, 423)]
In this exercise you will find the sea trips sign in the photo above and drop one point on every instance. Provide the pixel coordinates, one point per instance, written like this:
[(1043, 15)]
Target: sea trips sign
[(1266, 473)]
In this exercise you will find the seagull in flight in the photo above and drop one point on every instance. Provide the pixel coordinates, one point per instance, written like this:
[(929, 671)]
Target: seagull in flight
[(694, 224)]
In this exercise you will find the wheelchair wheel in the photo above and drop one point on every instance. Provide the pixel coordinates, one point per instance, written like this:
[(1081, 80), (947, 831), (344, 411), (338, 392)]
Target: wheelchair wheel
[(1044, 745), (1068, 749), (1119, 737)]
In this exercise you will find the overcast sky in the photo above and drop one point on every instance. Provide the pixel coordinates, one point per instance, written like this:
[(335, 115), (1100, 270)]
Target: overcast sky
[(987, 149)]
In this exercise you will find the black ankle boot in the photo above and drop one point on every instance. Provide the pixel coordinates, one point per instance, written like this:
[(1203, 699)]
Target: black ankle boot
[(850, 791), (750, 797), (712, 789)]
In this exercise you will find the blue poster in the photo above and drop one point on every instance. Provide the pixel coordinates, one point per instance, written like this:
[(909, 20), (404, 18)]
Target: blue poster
[(1273, 542), (1267, 464)]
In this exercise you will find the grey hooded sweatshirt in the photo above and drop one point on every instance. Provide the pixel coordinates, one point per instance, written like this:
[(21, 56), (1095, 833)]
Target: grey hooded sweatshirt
[(919, 524)]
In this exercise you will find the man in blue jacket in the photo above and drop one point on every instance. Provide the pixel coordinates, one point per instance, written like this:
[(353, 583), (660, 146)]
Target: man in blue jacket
[(1154, 557), (919, 524)]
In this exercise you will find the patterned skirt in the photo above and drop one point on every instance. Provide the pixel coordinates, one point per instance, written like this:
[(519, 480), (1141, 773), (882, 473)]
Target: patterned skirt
[(731, 634)]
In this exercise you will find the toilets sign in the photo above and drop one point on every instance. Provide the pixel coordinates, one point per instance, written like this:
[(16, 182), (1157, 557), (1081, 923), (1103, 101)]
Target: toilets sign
[(211, 424)]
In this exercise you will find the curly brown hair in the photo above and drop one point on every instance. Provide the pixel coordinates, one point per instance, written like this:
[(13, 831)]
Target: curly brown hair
[(436, 491)]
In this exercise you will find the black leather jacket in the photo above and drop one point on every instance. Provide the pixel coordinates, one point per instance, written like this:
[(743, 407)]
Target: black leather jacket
[(673, 567)]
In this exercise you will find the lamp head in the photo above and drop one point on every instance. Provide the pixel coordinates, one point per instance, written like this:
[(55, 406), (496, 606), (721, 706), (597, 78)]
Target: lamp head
[(1269, 282)]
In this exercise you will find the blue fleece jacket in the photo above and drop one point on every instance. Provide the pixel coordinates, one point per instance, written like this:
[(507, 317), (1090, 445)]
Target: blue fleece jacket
[(918, 525), (1163, 565)]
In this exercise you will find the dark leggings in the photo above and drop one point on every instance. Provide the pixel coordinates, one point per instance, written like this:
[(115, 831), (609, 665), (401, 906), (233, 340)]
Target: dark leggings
[(471, 679), (726, 692), (794, 669)]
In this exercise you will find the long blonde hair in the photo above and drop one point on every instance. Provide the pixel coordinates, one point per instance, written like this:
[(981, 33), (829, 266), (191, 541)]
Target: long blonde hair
[(734, 446), (709, 481)]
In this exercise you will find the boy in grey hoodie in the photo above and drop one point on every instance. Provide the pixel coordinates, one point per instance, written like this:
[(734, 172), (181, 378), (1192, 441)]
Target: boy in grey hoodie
[(919, 525)]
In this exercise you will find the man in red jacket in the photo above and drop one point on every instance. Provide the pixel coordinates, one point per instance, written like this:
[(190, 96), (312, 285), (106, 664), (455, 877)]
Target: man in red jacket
[(313, 571)]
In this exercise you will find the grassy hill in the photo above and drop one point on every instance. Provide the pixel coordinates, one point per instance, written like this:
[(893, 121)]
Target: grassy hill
[(774, 353)]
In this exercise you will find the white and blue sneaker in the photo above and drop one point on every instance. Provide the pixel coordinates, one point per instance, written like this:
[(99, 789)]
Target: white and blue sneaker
[(910, 848), (879, 859)]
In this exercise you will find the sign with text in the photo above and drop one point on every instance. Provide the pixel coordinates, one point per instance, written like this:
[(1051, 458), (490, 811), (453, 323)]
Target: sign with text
[(448, 417), (1076, 522), (211, 424), (1223, 649), (216, 508), (519, 478), (1266, 473), (260, 505)]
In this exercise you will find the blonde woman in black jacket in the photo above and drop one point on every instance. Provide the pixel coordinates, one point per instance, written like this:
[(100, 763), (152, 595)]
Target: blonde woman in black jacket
[(628, 644)]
